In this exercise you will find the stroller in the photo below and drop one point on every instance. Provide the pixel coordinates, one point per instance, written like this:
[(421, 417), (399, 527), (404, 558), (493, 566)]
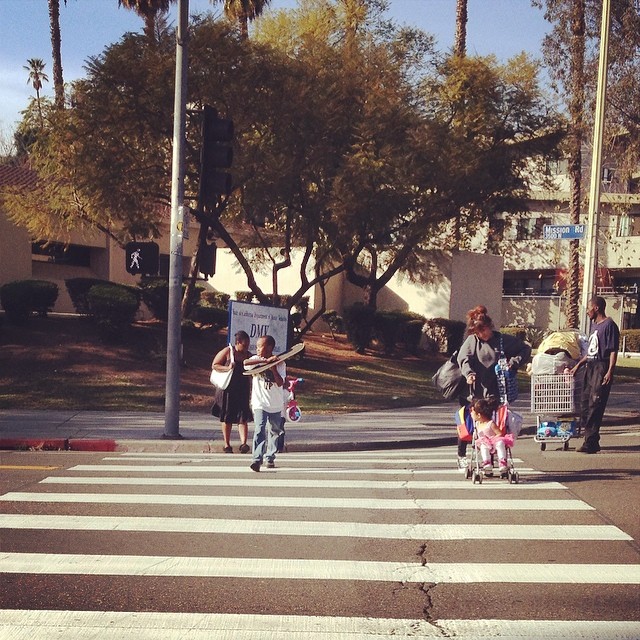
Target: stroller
[(512, 422)]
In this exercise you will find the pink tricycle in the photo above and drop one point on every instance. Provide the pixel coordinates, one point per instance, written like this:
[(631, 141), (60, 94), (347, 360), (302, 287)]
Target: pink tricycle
[(292, 411)]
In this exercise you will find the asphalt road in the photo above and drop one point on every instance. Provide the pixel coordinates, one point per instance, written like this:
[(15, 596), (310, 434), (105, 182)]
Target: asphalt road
[(364, 543)]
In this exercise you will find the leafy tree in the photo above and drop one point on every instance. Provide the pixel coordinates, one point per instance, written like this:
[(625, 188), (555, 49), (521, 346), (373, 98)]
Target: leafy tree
[(357, 160)]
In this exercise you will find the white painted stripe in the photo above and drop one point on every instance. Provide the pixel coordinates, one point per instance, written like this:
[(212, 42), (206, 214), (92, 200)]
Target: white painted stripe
[(143, 625), (551, 629), (21, 624), (290, 459), (435, 452), (299, 502), (325, 529), (306, 569), (122, 468), (258, 481)]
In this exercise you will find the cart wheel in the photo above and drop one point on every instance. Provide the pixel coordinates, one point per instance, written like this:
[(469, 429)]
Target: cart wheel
[(565, 446), (543, 446)]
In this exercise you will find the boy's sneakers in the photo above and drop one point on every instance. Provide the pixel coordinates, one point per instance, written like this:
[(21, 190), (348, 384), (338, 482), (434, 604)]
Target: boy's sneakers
[(255, 466), (462, 463), (487, 468), (271, 464), (503, 466)]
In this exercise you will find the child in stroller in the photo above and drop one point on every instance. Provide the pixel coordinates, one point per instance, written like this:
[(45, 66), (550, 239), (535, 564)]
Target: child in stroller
[(491, 435)]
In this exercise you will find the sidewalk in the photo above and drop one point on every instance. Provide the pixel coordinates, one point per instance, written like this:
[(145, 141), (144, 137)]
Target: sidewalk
[(394, 428)]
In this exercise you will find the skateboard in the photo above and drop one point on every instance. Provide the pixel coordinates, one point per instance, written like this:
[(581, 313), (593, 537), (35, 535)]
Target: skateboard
[(297, 348)]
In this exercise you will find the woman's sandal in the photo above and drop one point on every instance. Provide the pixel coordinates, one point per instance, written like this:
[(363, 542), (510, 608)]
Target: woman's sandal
[(245, 448), (227, 449)]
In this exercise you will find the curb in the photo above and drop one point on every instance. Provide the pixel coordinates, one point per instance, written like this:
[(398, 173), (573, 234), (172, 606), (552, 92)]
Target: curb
[(57, 444)]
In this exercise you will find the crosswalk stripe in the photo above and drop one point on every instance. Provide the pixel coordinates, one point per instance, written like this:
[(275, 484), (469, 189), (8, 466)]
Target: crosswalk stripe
[(258, 481), (436, 452), (325, 529), (125, 468), (307, 569), (307, 502), (428, 460), (24, 624)]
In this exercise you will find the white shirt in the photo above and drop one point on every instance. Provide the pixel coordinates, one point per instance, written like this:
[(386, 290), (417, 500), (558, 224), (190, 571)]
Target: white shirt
[(266, 394)]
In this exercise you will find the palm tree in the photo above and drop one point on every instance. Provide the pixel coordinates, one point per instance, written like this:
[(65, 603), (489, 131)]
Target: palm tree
[(35, 67), (54, 26), (460, 43), (243, 11), (576, 136), (148, 10)]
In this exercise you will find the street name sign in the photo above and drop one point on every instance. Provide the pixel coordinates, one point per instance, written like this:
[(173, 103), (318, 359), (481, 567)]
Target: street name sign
[(563, 231)]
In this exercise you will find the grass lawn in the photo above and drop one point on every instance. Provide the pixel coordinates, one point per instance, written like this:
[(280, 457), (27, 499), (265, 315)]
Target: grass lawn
[(61, 363)]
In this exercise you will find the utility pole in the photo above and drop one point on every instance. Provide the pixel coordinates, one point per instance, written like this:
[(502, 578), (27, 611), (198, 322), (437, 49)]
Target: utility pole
[(593, 224), (174, 334)]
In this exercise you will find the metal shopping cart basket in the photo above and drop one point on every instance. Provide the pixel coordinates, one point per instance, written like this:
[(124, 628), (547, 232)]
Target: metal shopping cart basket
[(555, 399)]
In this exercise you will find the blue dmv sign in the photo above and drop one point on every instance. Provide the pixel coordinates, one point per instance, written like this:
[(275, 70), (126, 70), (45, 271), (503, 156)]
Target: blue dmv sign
[(563, 231)]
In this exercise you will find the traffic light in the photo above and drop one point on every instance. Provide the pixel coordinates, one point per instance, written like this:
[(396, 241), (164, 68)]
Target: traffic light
[(216, 154), (142, 257)]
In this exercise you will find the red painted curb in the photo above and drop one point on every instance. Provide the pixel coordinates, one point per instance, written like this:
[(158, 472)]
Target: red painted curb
[(88, 444), (37, 444)]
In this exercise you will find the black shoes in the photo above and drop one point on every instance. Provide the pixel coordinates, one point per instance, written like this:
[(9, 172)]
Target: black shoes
[(255, 466), (271, 465), (586, 449), (244, 448), (227, 450)]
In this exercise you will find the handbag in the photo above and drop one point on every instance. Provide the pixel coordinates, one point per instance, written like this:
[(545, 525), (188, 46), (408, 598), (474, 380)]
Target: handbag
[(221, 379), (448, 379)]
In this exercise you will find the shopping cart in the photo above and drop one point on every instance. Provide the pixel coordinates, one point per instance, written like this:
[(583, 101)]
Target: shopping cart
[(555, 399)]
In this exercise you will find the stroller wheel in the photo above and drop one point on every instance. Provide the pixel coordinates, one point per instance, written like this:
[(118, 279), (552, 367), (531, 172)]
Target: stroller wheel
[(467, 473)]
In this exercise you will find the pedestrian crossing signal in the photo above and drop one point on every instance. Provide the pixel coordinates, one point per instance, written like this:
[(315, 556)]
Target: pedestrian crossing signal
[(142, 257)]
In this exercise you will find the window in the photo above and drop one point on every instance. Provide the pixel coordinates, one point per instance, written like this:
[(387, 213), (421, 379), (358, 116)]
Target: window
[(57, 253), (628, 225), (526, 229), (557, 167)]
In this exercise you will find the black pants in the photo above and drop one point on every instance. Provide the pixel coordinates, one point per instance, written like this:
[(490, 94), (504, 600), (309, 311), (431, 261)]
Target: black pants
[(594, 401)]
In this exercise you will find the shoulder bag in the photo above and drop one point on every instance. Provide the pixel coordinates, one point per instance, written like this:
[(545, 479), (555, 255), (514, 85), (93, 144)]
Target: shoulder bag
[(221, 379), (448, 379)]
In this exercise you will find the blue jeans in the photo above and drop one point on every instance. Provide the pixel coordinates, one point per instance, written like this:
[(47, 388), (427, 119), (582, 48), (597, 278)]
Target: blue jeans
[(261, 418)]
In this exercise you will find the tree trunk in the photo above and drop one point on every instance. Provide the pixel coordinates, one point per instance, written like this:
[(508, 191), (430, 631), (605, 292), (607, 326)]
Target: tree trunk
[(54, 25), (576, 106), (460, 42)]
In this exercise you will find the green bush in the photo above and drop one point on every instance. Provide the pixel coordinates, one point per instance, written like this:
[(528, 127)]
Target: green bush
[(155, 294), (632, 339), (44, 296), (244, 296), (22, 297), (411, 334), (16, 301), (113, 308), (78, 289), (335, 321), (214, 316), (358, 320), (215, 299), (447, 334)]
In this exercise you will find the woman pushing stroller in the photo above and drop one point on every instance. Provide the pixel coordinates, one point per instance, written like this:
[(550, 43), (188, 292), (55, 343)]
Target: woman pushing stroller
[(478, 356)]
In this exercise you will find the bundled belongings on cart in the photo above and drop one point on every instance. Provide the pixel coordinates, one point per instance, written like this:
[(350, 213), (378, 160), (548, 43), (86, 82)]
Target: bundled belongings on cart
[(555, 392), (558, 352)]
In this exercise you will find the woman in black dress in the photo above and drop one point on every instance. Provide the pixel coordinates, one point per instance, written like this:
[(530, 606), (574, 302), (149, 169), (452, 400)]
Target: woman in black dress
[(231, 405)]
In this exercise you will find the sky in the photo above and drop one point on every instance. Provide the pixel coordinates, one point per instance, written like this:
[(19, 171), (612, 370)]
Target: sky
[(500, 27)]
